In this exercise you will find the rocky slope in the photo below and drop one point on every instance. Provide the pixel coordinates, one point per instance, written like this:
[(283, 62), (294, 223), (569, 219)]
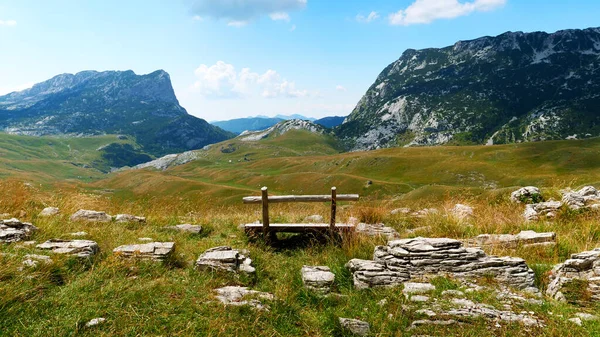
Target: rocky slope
[(510, 88), (280, 129), (240, 125), (111, 102)]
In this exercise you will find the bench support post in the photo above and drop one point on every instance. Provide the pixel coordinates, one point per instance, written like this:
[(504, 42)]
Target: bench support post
[(265, 213), (333, 209)]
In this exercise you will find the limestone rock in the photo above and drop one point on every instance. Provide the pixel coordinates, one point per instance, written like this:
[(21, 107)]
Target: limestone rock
[(79, 248), (317, 278), (528, 194), (425, 322), (402, 210), (13, 230), (582, 267), (32, 260), (225, 258), (314, 219), (581, 198), (417, 288), (546, 209), (95, 322), (524, 238), (49, 211), (402, 260), (355, 326), (78, 234), (462, 212), (377, 230), (152, 250), (194, 229), (238, 296), (425, 212), (129, 218), (468, 308), (90, 216)]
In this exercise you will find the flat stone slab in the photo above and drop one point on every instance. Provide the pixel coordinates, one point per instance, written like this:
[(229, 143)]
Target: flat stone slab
[(240, 296), (91, 216), (152, 250), (225, 258), (318, 278), (417, 288), (524, 238), (13, 230), (79, 248), (377, 230), (49, 211), (355, 326), (188, 228), (129, 218)]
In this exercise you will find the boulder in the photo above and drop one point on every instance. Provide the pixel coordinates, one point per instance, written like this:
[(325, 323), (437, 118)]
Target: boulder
[(355, 326), (582, 269), (462, 212), (129, 218), (377, 230), (314, 219), (581, 199), (524, 238), (317, 278), (239, 296), (548, 209), (404, 260), (13, 230), (153, 250), (49, 211), (90, 216), (194, 229), (79, 248), (225, 258), (528, 194)]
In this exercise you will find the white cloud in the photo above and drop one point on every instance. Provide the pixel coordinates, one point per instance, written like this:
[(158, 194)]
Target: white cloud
[(366, 19), (246, 10), (340, 88), (427, 11), (280, 16), (8, 23), (222, 80)]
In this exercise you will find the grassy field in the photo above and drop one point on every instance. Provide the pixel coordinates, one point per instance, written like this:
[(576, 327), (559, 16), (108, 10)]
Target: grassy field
[(150, 299)]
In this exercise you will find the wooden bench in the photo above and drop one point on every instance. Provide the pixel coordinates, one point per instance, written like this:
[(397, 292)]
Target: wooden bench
[(268, 229)]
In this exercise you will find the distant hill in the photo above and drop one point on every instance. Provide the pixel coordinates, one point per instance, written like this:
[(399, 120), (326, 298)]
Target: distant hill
[(111, 102), (295, 116), (240, 125), (330, 122)]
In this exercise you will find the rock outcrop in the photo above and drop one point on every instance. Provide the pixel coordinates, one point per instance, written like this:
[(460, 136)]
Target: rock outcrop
[(462, 212), (355, 326), (524, 238), (194, 229), (153, 251), (239, 296), (13, 230), (90, 216), (580, 274), (527, 194), (227, 259), (129, 218), (79, 248), (403, 260), (548, 209), (318, 278), (49, 211), (582, 198)]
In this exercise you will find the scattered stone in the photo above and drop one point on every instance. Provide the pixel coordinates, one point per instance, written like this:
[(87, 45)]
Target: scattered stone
[(28, 243), (13, 230), (402, 210), (233, 295), (462, 212), (423, 322), (528, 194), (91, 216), (524, 238), (417, 298), (548, 209), (453, 293), (377, 230), (79, 248), (580, 270), (318, 278), (417, 288), (78, 234), (153, 250), (32, 260), (425, 212), (580, 199), (576, 320), (49, 211), (418, 258), (129, 218), (227, 259), (475, 310), (95, 322), (194, 229), (314, 219), (146, 239), (355, 326), (427, 312), (586, 317), (382, 302)]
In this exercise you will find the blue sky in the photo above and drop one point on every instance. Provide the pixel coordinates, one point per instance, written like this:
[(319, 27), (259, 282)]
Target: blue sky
[(237, 58)]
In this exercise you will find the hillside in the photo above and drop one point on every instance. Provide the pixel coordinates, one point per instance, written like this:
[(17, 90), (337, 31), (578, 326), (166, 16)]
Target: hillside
[(240, 125), (330, 122), (510, 88), (111, 102)]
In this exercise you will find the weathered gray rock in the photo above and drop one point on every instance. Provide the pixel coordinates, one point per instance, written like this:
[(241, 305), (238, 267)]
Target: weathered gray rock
[(314, 219), (129, 218), (355, 326), (318, 278), (49, 211), (32, 260), (418, 258), (90, 216), (425, 322), (417, 288), (462, 212), (581, 198), (546, 209), (188, 228), (402, 210), (152, 250), (13, 230), (78, 234), (425, 212), (524, 238), (583, 268), (227, 259), (238, 296), (470, 309), (79, 248), (526, 194), (95, 321), (377, 230)]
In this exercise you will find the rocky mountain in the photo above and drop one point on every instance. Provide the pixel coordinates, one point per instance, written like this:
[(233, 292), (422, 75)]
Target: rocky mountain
[(330, 122), (280, 129), (111, 102), (240, 125), (510, 88)]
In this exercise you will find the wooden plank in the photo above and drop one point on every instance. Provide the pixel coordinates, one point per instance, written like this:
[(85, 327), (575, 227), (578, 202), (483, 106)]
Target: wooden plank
[(265, 213), (300, 198), (299, 228), (333, 208)]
